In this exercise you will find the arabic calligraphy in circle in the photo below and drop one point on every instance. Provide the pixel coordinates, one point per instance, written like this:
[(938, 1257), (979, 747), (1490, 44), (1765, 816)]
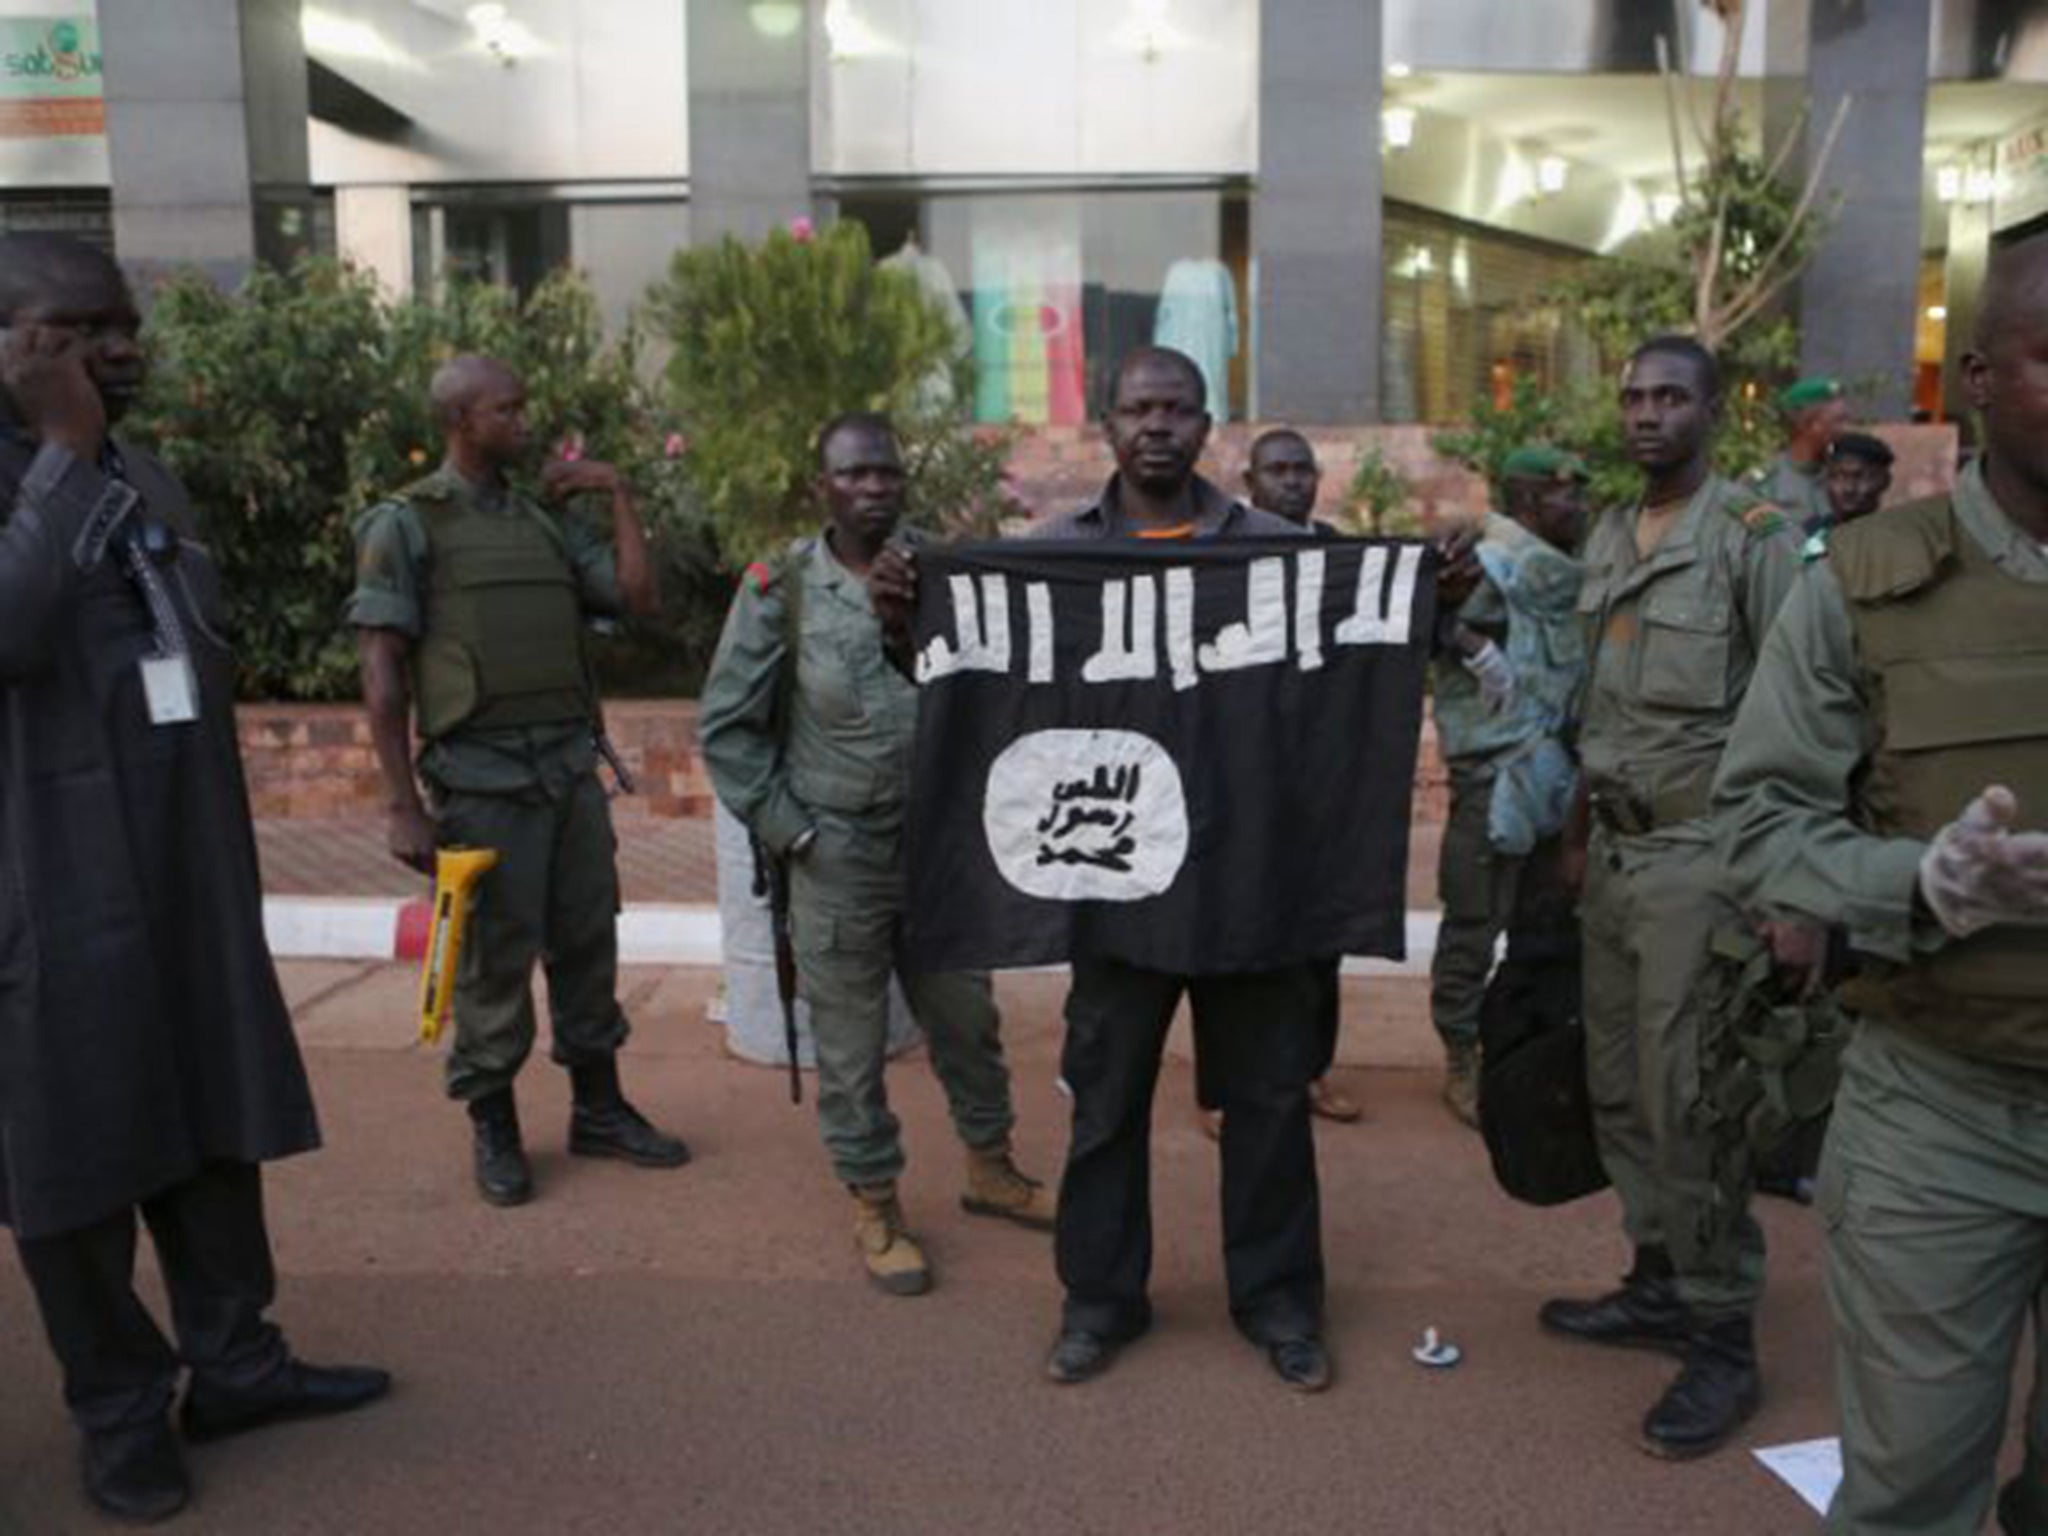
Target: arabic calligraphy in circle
[(1078, 815)]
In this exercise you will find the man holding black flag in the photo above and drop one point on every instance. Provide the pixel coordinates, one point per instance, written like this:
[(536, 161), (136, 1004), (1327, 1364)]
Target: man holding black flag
[(1258, 1032), (807, 732)]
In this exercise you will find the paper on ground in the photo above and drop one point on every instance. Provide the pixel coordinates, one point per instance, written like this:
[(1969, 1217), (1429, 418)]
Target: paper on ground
[(1813, 1468)]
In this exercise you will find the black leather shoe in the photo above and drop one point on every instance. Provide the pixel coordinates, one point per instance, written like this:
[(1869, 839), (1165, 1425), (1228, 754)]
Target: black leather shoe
[(1714, 1395), (603, 1124), (1078, 1355), (2022, 1508), (136, 1474), (503, 1176), (299, 1391), (1303, 1364), (1644, 1314)]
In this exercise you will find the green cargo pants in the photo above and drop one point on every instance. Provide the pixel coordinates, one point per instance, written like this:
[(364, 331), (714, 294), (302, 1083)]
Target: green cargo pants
[(1651, 906), (1477, 884), (553, 896), (1934, 1196), (847, 902)]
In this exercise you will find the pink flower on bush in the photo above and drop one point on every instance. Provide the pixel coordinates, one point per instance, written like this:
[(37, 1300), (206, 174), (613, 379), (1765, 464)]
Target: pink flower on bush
[(802, 230), (673, 445), (571, 449)]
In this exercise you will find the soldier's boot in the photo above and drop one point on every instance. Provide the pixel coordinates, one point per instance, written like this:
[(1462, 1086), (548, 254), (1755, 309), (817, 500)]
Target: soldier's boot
[(995, 1187), (894, 1261), (603, 1124), (1714, 1395), (502, 1174), (1461, 1080), (1645, 1313)]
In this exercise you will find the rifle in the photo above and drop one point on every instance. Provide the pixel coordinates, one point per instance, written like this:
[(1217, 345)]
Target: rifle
[(771, 879)]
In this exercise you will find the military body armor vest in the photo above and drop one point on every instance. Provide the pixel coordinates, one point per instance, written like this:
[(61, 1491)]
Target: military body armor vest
[(504, 638), (1956, 656)]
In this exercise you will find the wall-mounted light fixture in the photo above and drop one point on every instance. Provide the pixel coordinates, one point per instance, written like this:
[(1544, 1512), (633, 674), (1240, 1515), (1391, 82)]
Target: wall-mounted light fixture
[(776, 18), (1948, 183), (1397, 127), (1552, 171)]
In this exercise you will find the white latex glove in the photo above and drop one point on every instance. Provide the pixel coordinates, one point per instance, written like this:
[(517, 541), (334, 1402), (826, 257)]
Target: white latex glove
[(1979, 873), (1496, 679)]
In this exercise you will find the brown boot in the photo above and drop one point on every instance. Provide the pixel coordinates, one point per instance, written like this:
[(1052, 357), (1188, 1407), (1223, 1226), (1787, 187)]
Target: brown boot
[(894, 1261), (996, 1188), (1333, 1103), (1461, 1081)]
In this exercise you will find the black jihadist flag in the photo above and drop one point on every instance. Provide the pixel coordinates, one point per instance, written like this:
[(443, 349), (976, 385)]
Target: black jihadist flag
[(1195, 758)]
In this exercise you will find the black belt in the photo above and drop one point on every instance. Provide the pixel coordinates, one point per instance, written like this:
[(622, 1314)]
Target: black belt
[(1630, 813)]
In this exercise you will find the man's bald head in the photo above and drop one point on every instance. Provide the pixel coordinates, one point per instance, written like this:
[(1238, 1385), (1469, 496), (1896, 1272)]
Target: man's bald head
[(461, 382), (47, 272), (2004, 373)]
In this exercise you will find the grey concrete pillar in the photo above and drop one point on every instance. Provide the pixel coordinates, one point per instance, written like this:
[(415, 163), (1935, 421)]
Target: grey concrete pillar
[(1316, 212), (750, 118), (1859, 298), (206, 134)]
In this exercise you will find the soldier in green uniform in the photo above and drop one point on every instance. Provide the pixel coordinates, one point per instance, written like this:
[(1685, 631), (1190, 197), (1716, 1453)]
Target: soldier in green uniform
[(1815, 414), (469, 609), (1680, 590), (1888, 776), (1492, 713), (807, 730)]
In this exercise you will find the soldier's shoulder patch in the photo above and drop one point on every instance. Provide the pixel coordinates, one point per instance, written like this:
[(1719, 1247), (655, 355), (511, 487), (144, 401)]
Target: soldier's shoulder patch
[(1760, 517), (762, 576), (1815, 547)]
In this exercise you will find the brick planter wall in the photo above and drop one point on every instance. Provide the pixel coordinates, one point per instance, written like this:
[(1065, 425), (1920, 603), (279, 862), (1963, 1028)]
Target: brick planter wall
[(314, 761)]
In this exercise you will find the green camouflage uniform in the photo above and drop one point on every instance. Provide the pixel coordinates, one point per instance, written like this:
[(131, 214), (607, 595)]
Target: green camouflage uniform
[(1672, 640), (823, 746), (1798, 490), (530, 791), (1934, 1185)]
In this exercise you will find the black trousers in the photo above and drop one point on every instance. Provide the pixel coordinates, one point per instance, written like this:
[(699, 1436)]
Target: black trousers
[(1258, 1044), (211, 1244)]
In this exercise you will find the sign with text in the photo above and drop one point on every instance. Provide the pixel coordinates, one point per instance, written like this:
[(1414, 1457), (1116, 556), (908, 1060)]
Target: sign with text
[(50, 78), (1196, 758)]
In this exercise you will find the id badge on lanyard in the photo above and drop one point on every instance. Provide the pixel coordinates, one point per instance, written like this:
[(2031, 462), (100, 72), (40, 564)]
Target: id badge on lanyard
[(170, 689)]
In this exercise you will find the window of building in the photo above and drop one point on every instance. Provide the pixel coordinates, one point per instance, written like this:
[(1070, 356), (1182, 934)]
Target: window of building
[(1467, 314), (1052, 287), (507, 241)]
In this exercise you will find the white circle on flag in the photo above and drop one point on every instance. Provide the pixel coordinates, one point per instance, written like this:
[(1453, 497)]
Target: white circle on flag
[(1086, 815)]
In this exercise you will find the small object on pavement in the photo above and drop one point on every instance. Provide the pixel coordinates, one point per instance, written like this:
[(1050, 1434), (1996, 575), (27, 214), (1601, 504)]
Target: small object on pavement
[(1434, 1352)]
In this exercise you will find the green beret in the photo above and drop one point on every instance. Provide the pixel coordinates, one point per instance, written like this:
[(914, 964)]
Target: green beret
[(1818, 390), (1539, 461)]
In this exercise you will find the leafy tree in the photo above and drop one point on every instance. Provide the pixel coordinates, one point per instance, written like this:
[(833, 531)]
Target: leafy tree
[(772, 340)]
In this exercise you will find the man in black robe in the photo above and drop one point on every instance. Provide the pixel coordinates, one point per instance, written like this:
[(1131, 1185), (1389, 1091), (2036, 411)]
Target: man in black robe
[(147, 1063)]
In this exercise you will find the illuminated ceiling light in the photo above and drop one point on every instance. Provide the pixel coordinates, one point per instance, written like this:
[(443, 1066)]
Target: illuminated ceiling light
[(1552, 171), (1948, 183), (1937, 312), (776, 18), (1149, 17), (504, 39), (1397, 127), (1664, 207), (848, 35), (344, 37), (1631, 216)]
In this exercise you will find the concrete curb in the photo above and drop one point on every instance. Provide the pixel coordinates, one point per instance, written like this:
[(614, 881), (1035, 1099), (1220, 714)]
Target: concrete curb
[(650, 933)]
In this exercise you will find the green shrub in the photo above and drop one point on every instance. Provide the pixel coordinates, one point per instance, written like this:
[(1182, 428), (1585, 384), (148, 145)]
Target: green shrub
[(772, 340), (295, 404)]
